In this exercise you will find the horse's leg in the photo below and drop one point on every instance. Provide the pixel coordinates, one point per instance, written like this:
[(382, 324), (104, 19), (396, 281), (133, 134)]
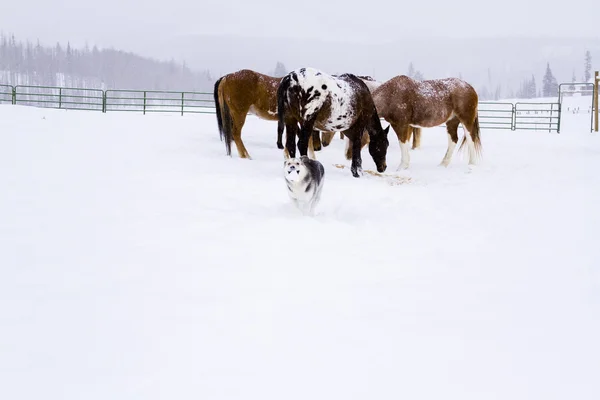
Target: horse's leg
[(416, 138), (291, 131), (356, 166), (280, 140), (348, 150), (353, 136), (365, 139), (316, 140), (238, 122), (452, 128), (341, 135), (305, 134), (311, 147), (403, 132)]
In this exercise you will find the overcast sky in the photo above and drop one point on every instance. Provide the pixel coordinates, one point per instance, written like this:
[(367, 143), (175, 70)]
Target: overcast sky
[(123, 23)]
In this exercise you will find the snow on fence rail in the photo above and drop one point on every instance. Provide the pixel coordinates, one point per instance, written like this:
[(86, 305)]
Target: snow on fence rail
[(492, 115)]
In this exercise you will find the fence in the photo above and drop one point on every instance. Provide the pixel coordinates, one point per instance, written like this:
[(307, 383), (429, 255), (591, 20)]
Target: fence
[(7, 94), (59, 97), (579, 89), (492, 115), (158, 101), (537, 116)]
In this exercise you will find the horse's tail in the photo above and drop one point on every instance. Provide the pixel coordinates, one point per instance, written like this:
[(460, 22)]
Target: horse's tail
[(218, 107), (223, 117), (475, 135), (284, 85)]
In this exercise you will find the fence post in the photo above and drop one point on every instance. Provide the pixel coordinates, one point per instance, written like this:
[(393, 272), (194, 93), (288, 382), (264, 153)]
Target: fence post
[(182, 93), (550, 121), (513, 122), (103, 101), (144, 102), (14, 95), (596, 84), (60, 97), (559, 117)]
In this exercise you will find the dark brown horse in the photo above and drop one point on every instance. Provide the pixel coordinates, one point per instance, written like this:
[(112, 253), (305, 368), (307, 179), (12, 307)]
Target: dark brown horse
[(308, 98), (406, 103), (243, 92)]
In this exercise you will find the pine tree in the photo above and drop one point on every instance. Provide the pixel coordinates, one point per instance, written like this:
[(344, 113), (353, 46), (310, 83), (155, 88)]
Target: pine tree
[(549, 84), (532, 89), (280, 70), (413, 73), (587, 67), (573, 80)]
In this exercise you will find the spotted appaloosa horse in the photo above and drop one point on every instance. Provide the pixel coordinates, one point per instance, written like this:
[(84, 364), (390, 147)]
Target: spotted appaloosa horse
[(311, 99), (406, 103)]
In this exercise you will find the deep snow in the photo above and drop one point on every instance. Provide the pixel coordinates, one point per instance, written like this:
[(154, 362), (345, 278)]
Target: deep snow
[(138, 261)]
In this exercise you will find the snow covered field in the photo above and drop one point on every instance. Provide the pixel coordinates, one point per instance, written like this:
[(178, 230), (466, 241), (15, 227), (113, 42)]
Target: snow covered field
[(137, 261)]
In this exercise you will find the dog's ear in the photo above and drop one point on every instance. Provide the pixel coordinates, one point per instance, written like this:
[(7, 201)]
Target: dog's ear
[(304, 159)]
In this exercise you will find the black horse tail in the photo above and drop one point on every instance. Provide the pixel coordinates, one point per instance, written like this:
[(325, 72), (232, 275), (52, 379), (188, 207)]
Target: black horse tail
[(223, 118), (284, 85), (218, 107)]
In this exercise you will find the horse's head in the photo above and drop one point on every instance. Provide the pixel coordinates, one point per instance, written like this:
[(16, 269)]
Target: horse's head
[(378, 145), (326, 138)]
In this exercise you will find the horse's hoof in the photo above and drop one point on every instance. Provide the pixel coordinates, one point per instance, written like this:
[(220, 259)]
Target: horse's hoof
[(402, 167), (280, 146)]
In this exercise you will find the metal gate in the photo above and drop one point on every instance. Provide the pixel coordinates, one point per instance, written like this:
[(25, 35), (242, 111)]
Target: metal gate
[(537, 116)]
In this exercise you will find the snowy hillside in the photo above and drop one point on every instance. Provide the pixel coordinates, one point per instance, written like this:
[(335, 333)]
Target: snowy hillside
[(140, 262)]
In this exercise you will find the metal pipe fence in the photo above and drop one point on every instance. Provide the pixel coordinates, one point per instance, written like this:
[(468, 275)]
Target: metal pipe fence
[(492, 115)]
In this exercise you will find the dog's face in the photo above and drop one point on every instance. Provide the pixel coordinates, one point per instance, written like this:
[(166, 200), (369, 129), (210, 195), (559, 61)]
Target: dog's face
[(294, 170)]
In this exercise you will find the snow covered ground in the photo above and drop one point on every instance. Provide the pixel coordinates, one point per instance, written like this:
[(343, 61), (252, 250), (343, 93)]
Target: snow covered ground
[(137, 261)]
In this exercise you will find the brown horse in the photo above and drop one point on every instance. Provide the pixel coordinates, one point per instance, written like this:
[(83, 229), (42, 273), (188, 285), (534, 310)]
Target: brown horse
[(242, 92), (238, 94), (406, 103)]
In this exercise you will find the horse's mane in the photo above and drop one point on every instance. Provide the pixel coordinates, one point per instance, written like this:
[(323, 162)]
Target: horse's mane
[(366, 77)]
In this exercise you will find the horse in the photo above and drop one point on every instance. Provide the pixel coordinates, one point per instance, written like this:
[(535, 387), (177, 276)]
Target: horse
[(323, 139), (242, 92), (406, 104), (312, 99), (372, 84)]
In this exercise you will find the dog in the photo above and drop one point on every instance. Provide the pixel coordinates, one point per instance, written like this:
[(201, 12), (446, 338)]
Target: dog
[(304, 178)]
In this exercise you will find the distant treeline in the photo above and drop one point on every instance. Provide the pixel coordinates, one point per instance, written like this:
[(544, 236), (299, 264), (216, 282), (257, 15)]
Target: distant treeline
[(35, 64)]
